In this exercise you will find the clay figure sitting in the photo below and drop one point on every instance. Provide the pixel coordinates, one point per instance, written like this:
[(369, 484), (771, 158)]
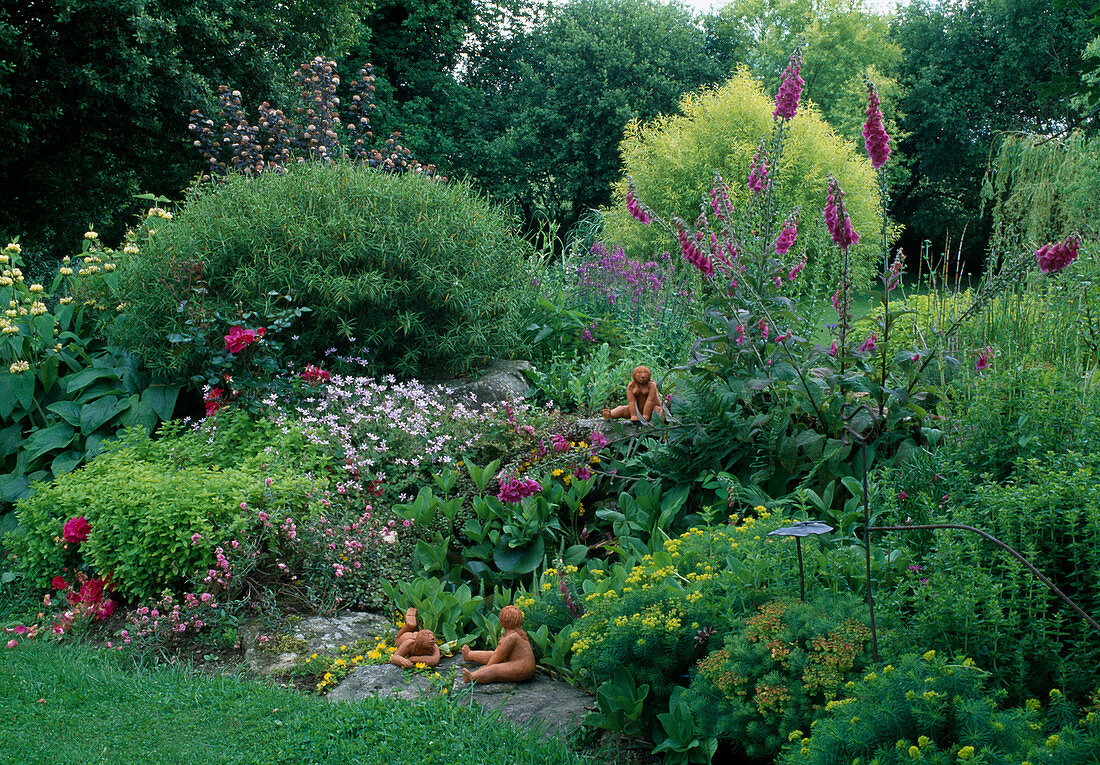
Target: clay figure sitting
[(410, 626), (512, 661), (416, 648), (642, 398)]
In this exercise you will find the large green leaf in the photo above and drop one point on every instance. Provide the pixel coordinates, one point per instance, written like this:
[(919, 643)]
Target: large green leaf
[(162, 397), (518, 560), (22, 385), (85, 377), (7, 395), (49, 439), (14, 487), (139, 414), (66, 461), (11, 438), (69, 411), (47, 372), (95, 414)]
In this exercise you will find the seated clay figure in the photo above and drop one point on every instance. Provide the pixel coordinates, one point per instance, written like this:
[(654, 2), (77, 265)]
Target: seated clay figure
[(512, 661), (414, 646), (642, 398), (409, 627)]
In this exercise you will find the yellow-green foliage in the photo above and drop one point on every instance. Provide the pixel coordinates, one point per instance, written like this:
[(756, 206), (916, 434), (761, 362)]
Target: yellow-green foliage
[(673, 159)]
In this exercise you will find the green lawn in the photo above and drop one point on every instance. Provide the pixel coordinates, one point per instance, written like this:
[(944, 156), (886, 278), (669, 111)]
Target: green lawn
[(71, 704)]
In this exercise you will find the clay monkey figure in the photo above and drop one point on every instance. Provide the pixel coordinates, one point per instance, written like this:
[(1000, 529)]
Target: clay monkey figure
[(410, 626), (416, 648), (512, 661), (642, 398)]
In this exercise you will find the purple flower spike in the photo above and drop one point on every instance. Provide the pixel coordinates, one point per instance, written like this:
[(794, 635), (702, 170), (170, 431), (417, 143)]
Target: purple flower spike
[(787, 236), (836, 217), (634, 208), (1053, 257), (693, 254), (790, 89), (758, 171), (874, 134)]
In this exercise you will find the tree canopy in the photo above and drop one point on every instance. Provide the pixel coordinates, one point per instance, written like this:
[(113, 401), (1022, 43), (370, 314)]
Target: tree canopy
[(94, 96)]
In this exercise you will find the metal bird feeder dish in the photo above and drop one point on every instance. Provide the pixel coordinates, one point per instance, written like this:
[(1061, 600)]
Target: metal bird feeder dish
[(799, 530)]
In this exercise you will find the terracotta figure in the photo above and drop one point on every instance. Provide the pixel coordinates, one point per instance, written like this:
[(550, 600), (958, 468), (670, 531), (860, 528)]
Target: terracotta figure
[(410, 626), (512, 661), (416, 648), (642, 398)]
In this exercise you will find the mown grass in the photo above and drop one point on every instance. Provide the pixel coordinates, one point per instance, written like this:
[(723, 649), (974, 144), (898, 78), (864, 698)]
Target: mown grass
[(72, 704)]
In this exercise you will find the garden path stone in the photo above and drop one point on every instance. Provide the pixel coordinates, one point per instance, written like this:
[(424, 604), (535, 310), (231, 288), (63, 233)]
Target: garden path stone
[(319, 633), (554, 707), (500, 381)]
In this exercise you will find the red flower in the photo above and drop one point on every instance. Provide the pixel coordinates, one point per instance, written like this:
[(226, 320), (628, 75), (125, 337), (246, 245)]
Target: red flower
[(213, 400), (59, 583), (314, 375), (91, 591), (103, 610), (76, 530), (240, 338)]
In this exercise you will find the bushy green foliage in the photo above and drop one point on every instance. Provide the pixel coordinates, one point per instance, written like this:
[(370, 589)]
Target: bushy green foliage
[(1009, 414), (930, 710), (143, 518), (146, 498), (424, 275), (63, 393), (774, 674), (585, 385), (673, 160)]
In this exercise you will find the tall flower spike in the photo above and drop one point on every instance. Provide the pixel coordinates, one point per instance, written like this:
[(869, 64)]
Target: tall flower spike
[(836, 217), (758, 170), (790, 89), (691, 253), (1053, 257), (632, 205), (874, 134), (787, 236)]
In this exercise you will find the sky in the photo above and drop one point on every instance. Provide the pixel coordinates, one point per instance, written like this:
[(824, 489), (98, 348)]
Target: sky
[(882, 6)]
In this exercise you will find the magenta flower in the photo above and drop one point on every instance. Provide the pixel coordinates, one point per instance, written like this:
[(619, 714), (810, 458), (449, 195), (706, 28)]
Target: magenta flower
[(836, 217), (790, 89), (240, 338), (874, 134), (984, 360), (693, 254), (902, 495), (76, 530), (787, 236), (758, 171), (1053, 257), (796, 270), (515, 489), (869, 343), (597, 439), (634, 208)]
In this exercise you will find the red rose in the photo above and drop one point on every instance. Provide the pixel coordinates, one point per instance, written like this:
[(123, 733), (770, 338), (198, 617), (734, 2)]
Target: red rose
[(239, 338), (76, 530), (59, 583), (213, 400), (104, 609), (91, 591)]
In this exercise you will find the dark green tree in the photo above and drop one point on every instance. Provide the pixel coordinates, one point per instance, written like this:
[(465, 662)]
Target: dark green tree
[(974, 69), (94, 97), (553, 100)]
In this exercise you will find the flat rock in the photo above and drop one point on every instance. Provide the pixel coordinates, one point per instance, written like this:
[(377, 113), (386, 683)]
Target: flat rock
[(556, 708), (319, 633), (500, 381)]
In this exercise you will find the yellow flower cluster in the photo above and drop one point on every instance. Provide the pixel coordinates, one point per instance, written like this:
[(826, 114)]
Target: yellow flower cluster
[(19, 367)]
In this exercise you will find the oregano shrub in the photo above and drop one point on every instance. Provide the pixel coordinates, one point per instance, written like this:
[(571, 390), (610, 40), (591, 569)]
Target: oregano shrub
[(425, 275)]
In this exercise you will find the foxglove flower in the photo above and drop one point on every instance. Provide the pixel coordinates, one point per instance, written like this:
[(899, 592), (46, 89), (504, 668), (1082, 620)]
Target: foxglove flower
[(869, 344), (874, 134), (836, 217), (1053, 257), (984, 360), (787, 236), (693, 254), (634, 208), (758, 171), (790, 89)]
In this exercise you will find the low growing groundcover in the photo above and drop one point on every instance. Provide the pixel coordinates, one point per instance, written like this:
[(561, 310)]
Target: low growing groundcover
[(105, 710)]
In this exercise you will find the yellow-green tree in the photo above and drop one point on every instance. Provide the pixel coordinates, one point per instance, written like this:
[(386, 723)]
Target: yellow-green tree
[(673, 160)]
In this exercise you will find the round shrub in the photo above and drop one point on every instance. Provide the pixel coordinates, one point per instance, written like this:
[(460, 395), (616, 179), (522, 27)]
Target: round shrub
[(424, 275), (143, 507), (673, 160)]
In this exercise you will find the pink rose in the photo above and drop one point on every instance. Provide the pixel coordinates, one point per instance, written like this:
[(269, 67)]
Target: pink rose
[(76, 530), (240, 338), (58, 583), (91, 591)]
